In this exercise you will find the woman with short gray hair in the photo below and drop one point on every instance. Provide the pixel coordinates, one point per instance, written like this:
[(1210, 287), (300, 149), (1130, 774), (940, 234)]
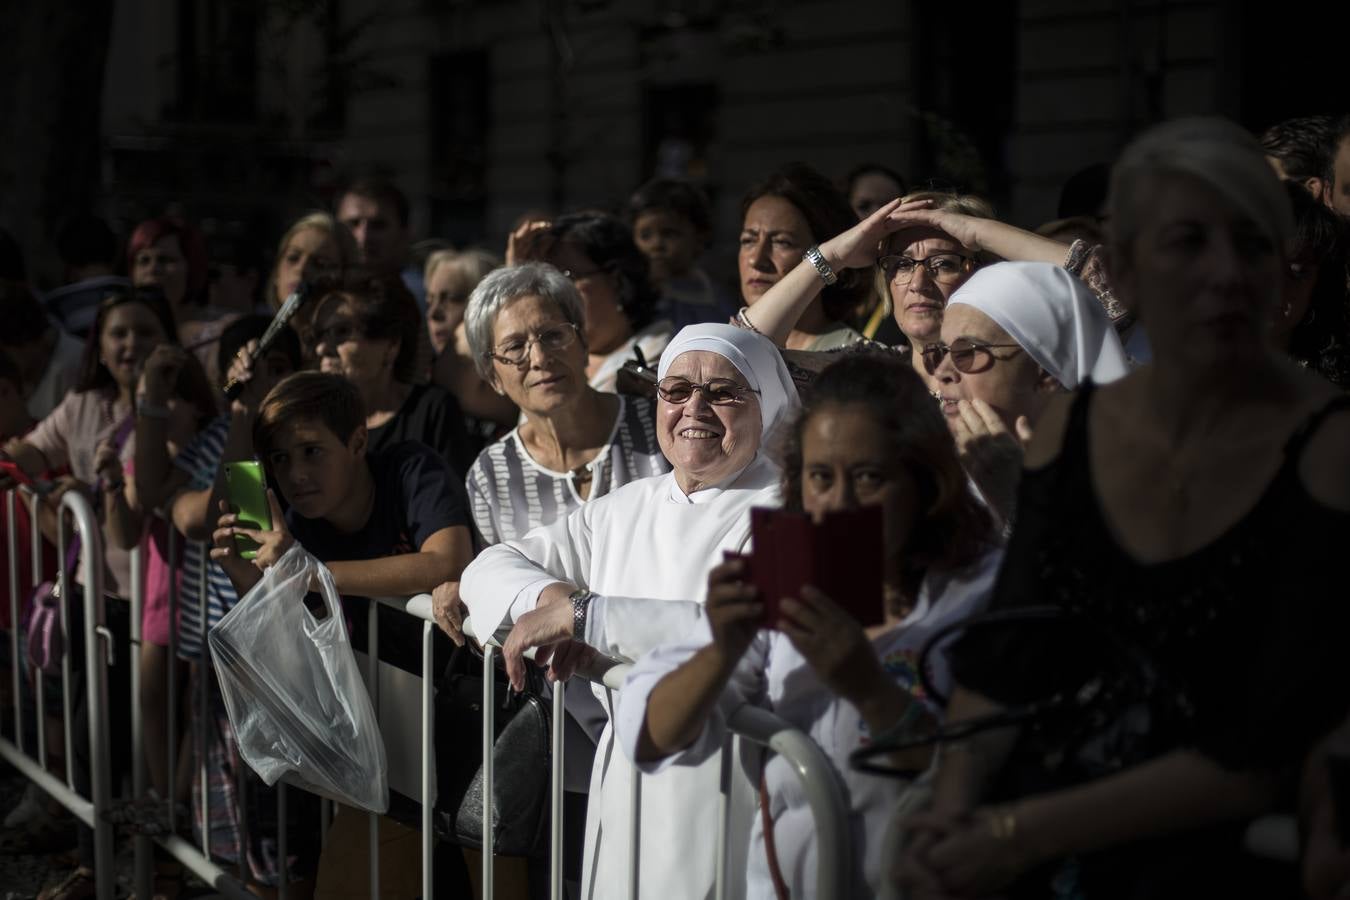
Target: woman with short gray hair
[(526, 332)]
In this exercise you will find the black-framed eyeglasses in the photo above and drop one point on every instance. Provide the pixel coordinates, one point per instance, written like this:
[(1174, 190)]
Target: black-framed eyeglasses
[(718, 392), (970, 357), (517, 350), (944, 268)]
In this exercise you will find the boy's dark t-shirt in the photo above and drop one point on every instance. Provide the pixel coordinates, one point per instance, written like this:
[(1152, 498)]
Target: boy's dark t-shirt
[(416, 495), (431, 415)]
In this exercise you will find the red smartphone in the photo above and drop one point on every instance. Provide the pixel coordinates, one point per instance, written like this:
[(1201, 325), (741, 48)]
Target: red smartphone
[(842, 556)]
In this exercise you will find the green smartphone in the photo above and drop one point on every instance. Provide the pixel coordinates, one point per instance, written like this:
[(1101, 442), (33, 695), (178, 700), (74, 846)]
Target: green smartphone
[(246, 488)]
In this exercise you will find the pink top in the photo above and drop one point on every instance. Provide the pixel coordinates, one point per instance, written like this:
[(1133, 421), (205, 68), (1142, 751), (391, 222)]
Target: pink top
[(70, 435)]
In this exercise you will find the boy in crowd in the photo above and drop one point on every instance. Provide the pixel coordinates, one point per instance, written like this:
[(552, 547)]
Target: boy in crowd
[(672, 223), (394, 523)]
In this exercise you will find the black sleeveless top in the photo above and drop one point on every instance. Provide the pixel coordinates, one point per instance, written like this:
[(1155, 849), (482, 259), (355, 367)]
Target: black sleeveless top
[(1250, 630)]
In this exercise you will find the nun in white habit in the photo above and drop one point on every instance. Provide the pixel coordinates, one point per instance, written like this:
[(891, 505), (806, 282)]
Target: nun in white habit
[(1014, 335), (628, 572)]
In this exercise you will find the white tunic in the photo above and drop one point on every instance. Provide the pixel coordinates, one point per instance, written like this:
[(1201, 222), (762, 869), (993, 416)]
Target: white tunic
[(646, 550), (773, 675)]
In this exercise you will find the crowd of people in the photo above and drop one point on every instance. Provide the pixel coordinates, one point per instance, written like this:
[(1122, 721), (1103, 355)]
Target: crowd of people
[(1107, 460)]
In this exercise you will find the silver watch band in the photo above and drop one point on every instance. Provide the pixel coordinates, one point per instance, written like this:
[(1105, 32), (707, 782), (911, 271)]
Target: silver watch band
[(581, 603), (814, 256)]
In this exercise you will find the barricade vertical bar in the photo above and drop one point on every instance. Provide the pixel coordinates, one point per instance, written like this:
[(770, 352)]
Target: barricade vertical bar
[(635, 835), (283, 852), (36, 541), (64, 580), (142, 846), (205, 714), (170, 674), (373, 667), (489, 730), (555, 849), (428, 751), (729, 756), (11, 523), (91, 551)]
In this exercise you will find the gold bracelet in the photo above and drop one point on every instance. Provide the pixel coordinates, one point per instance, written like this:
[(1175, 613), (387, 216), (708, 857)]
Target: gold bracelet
[(1002, 822)]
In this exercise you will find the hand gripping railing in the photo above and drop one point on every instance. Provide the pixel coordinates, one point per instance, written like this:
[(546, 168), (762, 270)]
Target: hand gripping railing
[(808, 761), (98, 644)]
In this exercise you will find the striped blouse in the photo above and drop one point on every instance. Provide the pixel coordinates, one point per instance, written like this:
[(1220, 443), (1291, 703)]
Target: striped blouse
[(510, 493)]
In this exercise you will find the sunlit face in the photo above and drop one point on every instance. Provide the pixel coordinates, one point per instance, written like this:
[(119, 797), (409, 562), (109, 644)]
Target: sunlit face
[(381, 240), (774, 235), (130, 331), (872, 191), (1006, 378), (446, 299), (606, 325), (918, 305), (310, 253), (1204, 278), (707, 444), (313, 468), (162, 265), (670, 242), (343, 348), (546, 381), (1340, 184), (847, 462)]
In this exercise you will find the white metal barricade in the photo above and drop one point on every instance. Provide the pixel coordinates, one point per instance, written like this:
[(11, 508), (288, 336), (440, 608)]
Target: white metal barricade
[(755, 725), (759, 726), (98, 646)]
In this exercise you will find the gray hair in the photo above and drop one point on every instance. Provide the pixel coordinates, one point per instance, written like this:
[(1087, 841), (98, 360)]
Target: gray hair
[(502, 287), (1215, 151)]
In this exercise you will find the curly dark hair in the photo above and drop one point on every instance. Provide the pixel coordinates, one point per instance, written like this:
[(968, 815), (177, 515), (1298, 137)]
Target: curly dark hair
[(827, 214), (1321, 340), (1305, 146), (957, 528), (382, 307), (607, 241)]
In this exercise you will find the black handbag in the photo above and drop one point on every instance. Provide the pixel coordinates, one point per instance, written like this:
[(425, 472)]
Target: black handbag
[(522, 759), (636, 377), (1119, 713)]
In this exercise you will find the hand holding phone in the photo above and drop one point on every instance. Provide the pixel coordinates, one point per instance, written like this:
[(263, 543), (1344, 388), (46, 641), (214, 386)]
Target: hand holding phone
[(246, 490)]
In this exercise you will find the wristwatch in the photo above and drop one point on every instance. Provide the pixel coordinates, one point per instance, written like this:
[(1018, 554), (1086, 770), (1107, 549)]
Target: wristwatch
[(581, 602), (823, 269)]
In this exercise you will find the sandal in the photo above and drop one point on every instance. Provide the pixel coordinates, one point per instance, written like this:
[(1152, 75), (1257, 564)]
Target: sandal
[(78, 885)]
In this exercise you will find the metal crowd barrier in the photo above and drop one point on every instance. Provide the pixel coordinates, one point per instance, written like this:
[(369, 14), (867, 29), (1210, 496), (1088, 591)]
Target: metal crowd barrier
[(756, 725), (87, 809), (759, 726)]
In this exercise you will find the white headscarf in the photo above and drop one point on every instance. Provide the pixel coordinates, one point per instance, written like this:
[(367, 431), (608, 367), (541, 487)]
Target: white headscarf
[(1052, 315), (754, 356)]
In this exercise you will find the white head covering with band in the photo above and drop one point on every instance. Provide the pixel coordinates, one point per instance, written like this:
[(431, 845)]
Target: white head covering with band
[(754, 356), (1052, 315)]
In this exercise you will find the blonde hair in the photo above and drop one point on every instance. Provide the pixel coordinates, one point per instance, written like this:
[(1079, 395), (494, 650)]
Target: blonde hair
[(318, 220), (469, 267), (942, 201)]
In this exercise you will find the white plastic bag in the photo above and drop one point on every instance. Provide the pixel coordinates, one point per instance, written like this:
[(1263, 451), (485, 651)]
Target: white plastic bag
[(294, 694)]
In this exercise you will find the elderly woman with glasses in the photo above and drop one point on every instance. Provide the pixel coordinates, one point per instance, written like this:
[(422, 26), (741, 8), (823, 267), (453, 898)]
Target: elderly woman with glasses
[(629, 571)]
